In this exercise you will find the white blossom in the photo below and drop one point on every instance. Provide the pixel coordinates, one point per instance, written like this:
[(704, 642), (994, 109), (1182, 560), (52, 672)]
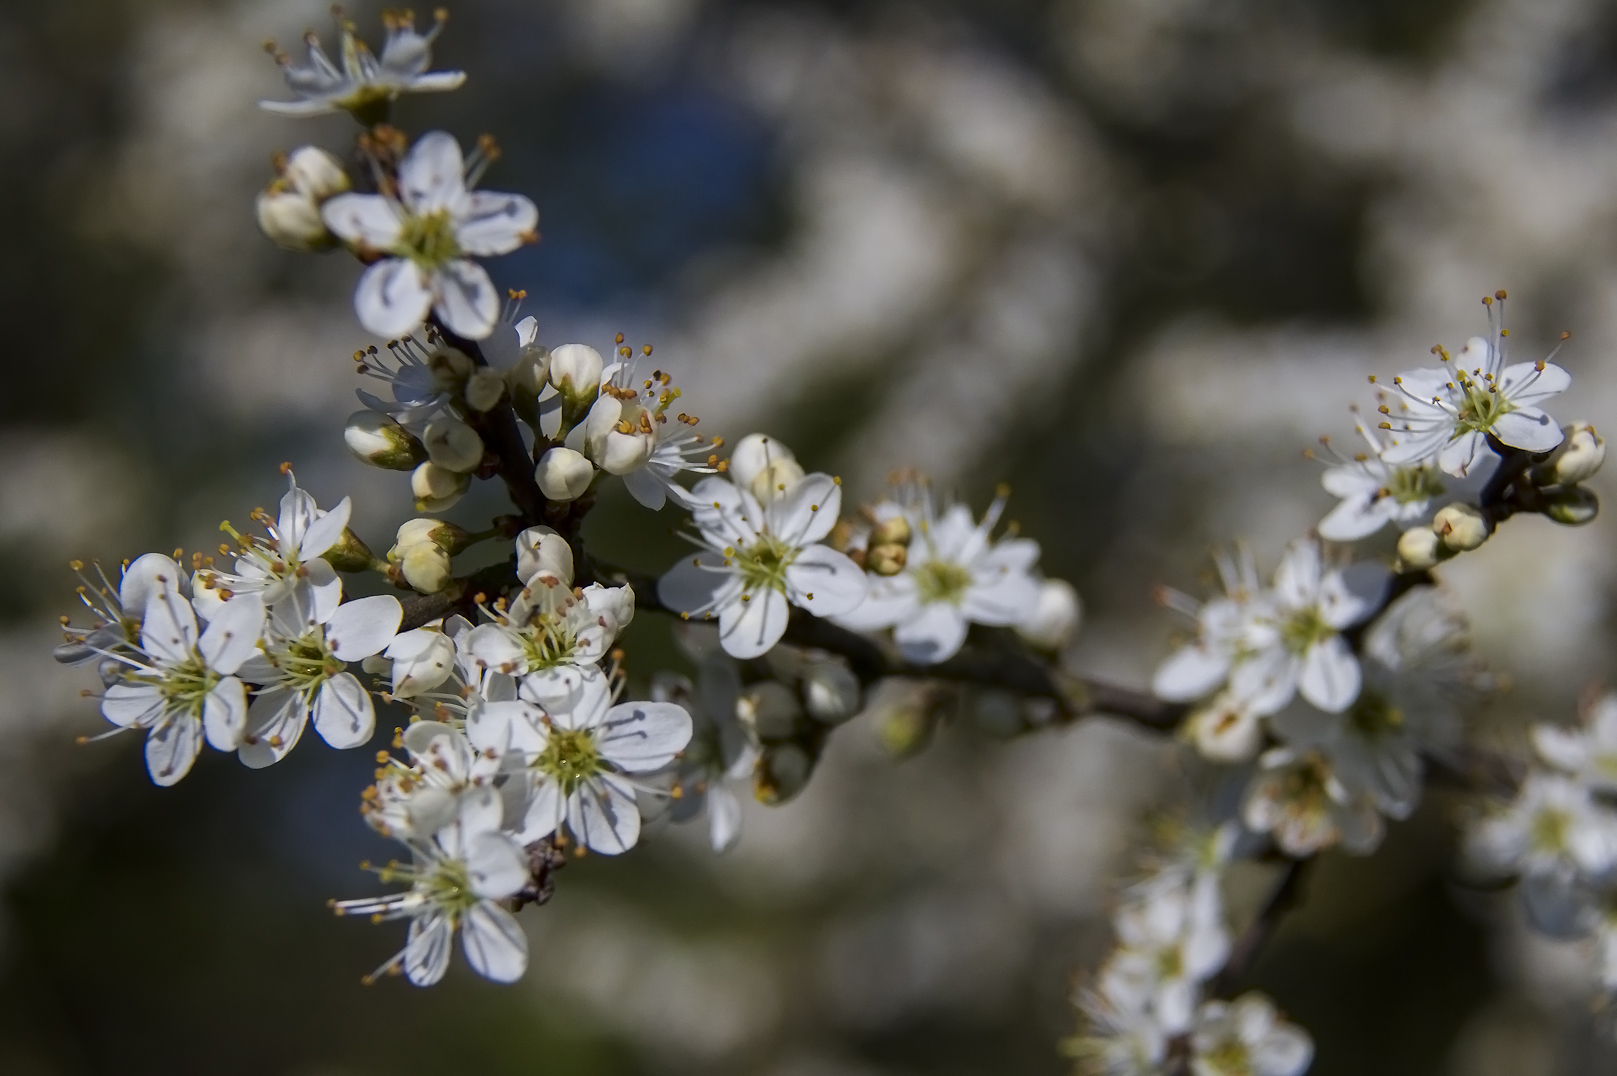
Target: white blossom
[(432, 228), (628, 433), (116, 610), (1247, 1037), (721, 750), (290, 558), (550, 638), (1172, 939), (364, 84), (1120, 1037), (457, 879), (1589, 752), (955, 575), (1554, 829), (1447, 413), (1201, 665), (1296, 798), (308, 643), (1054, 618), (1375, 492), (415, 800), (759, 561), (575, 755), (180, 684)]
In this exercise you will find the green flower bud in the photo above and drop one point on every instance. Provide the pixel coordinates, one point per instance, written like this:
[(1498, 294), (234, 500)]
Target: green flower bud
[(1575, 459), (1573, 506), (381, 442), (782, 772)]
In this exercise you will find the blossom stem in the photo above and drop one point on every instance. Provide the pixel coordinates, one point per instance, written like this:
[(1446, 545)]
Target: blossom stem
[(1286, 895)]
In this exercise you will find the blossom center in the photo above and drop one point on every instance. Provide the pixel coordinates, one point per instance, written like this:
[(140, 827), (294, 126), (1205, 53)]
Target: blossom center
[(763, 565), (570, 756), (547, 644), (186, 685), (307, 662), (1483, 404), (1550, 829), (428, 239), (1410, 485), (1230, 1056), (942, 581), (1303, 629), (450, 887), (1374, 715)]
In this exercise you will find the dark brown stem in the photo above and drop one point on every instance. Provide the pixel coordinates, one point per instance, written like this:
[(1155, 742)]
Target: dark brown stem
[(1287, 894)]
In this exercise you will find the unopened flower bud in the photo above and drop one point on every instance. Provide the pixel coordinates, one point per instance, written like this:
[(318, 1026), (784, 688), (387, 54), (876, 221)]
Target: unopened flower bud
[(315, 173), (292, 219), (905, 721), (893, 531), (575, 371), (753, 455), (453, 445), (381, 442), (1461, 527), (421, 553), (618, 440), (771, 710), (1575, 459), (782, 772), (485, 388), (541, 550), (563, 475), (526, 379), (886, 559), (830, 692), (420, 660), (1573, 506), (445, 535), (436, 488), (1420, 548), (349, 554), (1054, 617)]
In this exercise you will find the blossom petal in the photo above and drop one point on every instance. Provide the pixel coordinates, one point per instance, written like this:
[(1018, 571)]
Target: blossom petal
[(232, 636), (426, 954), (933, 634), (751, 625), (343, 714), (146, 575), (643, 736), (1285, 1051), (323, 532), (890, 600), (1002, 597), (133, 705), (603, 816), (363, 626), (1358, 516), (432, 176), (825, 582), (1330, 675), (723, 817), (546, 809), (647, 487), (168, 630), (494, 943), (363, 219), (392, 297), (1465, 452), (695, 584), (494, 646), (1297, 579), (466, 300), (1540, 385), (1528, 429), (275, 722), (806, 512), (1348, 596), (224, 714), (1190, 672), (495, 223), (726, 514), (495, 865), (171, 747)]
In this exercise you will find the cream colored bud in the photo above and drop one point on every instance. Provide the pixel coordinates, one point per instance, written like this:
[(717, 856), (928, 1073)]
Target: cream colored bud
[(542, 550), (782, 772), (526, 379), (292, 219), (1575, 459), (445, 535), (752, 456), (381, 442), (564, 475), (349, 554), (1461, 527), (315, 173), (453, 445), (886, 559), (1573, 506), (436, 488), (426, 568), (893, 531), (1420, 548), (485, 388), (771, 710), (830, 692), (619, 438), (575, 370), (1054, 617), (450, 368)]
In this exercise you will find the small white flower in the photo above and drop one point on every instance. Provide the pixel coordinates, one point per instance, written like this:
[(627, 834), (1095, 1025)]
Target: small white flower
[(117, 610), (1293, 641), (1448, 413), (1222, 627), (1247, 1037), (627, 432), (432, 229), (422, 379), (574, 756), (1554, 829), (414, 801), (551, 639), (955, 575), (1172, 939), (1055, 616), (309, 642), (1297, 799), (364, 85), (760, 560), (1226, 729), (1375, 492), (1588, 753), (721, 748), (181, 685), (457, 879), (422, 659), (290, 558), (763, 466), (1118, 1039)]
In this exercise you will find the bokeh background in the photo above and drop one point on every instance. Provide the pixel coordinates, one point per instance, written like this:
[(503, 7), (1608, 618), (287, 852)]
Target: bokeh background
[(1129, 255)]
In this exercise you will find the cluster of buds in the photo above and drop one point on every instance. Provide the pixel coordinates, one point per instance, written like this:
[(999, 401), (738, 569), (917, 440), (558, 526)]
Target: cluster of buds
[(289, 208)]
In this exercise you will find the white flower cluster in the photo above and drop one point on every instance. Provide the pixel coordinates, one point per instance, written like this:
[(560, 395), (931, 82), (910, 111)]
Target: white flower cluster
[(1558, 837), (1146, 1014), (178, 652)]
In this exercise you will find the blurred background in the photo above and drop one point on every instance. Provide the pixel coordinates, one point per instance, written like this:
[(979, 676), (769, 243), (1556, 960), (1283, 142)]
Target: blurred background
[(1130, 256)]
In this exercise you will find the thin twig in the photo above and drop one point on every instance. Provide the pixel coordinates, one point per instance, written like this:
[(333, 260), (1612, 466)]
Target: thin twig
[(1287, 894)]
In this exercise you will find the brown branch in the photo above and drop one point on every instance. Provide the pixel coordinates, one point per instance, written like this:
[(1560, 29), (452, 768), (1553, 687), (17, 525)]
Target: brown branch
[(1287, 895)]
